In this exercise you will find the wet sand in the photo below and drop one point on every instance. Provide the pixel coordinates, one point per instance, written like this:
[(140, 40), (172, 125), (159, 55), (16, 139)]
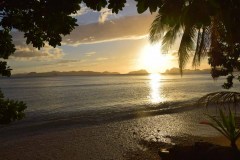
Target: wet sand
[(137, 138)]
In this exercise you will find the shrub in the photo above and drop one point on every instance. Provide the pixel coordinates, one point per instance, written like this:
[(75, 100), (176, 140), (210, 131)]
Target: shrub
[(11, 110), (226, 125)]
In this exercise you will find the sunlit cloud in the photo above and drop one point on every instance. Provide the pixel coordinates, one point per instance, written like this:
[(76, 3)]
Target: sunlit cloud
[(125, 28), (89, 54), (132, 27), (78, 43), (104, 13), (102, 59), (67, 61), (26, 53)]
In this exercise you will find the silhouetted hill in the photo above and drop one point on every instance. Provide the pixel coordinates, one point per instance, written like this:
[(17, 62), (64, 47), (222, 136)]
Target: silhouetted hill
[(187, 71), (78, 73), (71, 73), (139, 72)]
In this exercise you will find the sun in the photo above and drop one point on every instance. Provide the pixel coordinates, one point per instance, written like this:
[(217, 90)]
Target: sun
[(153, 60)]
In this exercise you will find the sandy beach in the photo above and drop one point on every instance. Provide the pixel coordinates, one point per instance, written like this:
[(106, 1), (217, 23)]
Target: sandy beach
[(137, 138)]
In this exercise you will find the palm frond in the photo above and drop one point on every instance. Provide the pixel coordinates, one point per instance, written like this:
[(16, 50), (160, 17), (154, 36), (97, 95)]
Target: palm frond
[(232, 121), (237, 134), (199, 39), (220, 98), (225, 124), (220, 126), (186, 46), (225, 121), (156, 29), (201, 46), (170, 37)]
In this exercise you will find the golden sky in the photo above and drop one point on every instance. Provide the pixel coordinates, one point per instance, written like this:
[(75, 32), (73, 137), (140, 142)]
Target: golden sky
[(102, 42)]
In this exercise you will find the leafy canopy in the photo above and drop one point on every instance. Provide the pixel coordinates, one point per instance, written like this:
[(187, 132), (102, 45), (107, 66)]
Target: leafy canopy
[(205, 28)]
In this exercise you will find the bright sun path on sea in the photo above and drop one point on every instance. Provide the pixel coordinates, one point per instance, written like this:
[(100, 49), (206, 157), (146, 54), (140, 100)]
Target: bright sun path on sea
[(153, 60), (155, 87)]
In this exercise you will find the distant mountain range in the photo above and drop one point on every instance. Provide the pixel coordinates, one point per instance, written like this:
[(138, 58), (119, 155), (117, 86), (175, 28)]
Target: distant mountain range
[(93, 73), (187, 71), (78, 73), (139, 72)]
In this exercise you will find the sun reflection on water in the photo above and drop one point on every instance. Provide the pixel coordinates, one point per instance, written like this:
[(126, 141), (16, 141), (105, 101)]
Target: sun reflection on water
[(155, 95)]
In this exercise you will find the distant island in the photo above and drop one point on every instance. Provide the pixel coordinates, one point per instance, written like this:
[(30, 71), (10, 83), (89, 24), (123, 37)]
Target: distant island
[(139, 72), (78, 73), (106, 73), (187, 71)]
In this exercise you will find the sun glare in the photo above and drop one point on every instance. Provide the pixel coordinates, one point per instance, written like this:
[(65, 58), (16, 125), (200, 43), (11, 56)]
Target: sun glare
[(155, 88), (153, 60)]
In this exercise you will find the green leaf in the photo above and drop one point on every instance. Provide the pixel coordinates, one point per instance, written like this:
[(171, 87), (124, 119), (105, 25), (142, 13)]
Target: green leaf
[(11, 110), (222, 128), (142, 6), (153, 5)]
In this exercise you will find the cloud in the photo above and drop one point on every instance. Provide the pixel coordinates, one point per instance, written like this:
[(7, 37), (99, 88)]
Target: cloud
[(68, 62), (132, 27), (84, 9), (104, 13), (24, 52), (124, 28), (89, 54), (102, 59)]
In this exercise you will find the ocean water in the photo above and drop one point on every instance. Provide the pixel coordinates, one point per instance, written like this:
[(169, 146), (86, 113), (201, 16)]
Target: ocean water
[(102, 98)]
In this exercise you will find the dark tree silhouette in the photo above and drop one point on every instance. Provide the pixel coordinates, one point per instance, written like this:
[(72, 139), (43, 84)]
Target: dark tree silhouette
[(207, 28), (41, 21)]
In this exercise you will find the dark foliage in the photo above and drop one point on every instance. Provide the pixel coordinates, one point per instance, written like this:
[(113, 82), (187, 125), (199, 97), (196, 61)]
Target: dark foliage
[(220, 98), (210, 28), (11, 110), (200, 151), (41, 21), (4, 69)]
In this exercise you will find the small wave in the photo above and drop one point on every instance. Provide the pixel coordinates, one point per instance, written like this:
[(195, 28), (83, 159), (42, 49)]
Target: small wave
[(66, 86), (97, 117)]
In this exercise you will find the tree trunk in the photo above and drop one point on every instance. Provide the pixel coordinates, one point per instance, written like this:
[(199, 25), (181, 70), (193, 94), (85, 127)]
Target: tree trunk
[(234, 146)]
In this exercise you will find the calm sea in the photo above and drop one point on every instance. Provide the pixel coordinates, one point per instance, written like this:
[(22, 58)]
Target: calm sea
[(106, 97)]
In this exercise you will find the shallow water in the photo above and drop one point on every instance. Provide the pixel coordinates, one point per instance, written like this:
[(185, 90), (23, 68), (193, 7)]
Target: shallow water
[(104, 97)]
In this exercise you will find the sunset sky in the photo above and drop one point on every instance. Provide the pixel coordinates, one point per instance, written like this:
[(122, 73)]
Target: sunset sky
[(102, 42)]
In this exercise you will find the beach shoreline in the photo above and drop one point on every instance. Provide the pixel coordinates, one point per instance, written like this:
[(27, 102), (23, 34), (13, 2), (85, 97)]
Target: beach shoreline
[(84, 144), (139, 137)]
